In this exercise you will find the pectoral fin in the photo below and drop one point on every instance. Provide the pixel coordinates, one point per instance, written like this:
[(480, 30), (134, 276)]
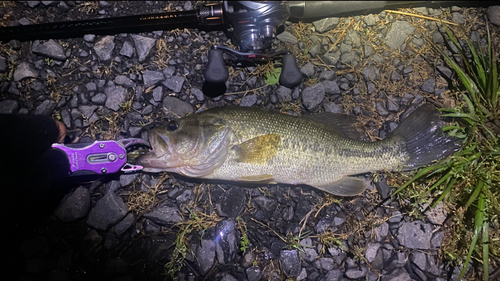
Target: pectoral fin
[(258, 150), (346, 186)]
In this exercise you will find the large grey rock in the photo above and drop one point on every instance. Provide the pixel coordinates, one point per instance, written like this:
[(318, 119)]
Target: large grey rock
[(174, 83), (50, 49), (312, 96), (164, 214), (290, 262), (225, 242), (116, 96), (109, 210), (8, 106), (493, 13), (287, 37), (152, 78), (46, 107), (25, 70), (415, 235), (175, 108), (74, 206), (399, 32), (104, 48), (323, 25), (143, 46)]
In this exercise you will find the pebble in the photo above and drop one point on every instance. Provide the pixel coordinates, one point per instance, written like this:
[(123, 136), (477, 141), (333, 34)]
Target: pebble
[(312, 96), (143, 46), (125, 224), (164, 214), (308, 69), (205, 255), (25, 70), (175, 108), (8, 106), (50, 49), (74, 206), (290, 262), (116, 96), (104, 48), (370, 73), (493, 13), (399, 32), (415, 235), (46, 107), (331, 58), (107, 211), (231, 203), (174, 83), (326, 24), (429, 85), (152, 78), (287, 37)]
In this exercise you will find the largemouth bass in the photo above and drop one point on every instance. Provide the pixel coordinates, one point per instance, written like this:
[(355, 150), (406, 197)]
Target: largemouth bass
[(322, 150)]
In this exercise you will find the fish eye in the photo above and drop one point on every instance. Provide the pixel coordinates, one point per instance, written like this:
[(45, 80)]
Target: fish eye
[(172, 126)]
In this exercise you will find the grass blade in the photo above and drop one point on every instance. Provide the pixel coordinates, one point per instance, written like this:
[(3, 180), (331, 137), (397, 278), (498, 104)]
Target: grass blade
[(486, 250)]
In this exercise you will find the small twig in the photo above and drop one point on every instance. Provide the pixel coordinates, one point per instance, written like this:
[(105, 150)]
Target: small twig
[(304, 220), (419, 16), (263, 224), (341, 35), (246, 91), (327, 66)]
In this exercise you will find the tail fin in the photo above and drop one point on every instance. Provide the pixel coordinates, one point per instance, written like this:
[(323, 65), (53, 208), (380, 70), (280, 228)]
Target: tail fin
[(423, 139)]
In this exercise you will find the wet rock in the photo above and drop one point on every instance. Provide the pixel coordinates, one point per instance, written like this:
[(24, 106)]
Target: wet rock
[(50, 49), (399, 32), (415, 235), (287, 37), (46, 107), (290, 262), (248, 100), (253, 273), (164, 214), (8, 106), (104, 48), (284, 94), (174, 107), (231, 203), (108, 210), (308, 69), (323, 25), (331, 58), (152, 78), (174, 83), (74, 206), (225, 245), (116, 96), (127, 50), (370, 73), (429, 85), (398, 274), (312, 96), (143, 46), (205, 255), (125, 224), (493, 13), (25, 70)]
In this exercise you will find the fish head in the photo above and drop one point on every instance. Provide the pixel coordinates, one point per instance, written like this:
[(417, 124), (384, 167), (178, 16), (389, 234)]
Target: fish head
[(193, 146)]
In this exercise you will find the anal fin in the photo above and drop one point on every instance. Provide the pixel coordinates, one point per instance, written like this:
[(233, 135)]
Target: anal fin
[(346, 186)]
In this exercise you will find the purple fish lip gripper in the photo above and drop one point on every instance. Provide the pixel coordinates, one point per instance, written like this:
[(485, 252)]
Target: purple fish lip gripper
[(100, 157)]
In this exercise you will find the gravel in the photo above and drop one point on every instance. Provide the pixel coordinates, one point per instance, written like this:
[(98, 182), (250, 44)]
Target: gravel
[(122, 227)]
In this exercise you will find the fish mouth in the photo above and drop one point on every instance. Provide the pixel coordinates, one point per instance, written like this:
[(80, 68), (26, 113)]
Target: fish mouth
[(160, 157)]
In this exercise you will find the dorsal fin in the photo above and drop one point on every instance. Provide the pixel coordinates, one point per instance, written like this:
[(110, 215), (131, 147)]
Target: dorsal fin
[(343, 124)]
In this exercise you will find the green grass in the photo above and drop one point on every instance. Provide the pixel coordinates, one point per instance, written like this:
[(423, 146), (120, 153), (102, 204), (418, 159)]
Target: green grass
[(469, 180)]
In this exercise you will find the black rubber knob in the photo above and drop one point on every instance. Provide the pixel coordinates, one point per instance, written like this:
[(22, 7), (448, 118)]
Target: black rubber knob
[(216, 72), (290, 72)]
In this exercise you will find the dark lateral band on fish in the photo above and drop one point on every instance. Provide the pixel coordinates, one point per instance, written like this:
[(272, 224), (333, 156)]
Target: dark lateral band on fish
[(324, 150)]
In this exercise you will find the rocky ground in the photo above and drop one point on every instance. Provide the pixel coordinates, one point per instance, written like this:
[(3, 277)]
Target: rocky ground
[(141, 226)]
